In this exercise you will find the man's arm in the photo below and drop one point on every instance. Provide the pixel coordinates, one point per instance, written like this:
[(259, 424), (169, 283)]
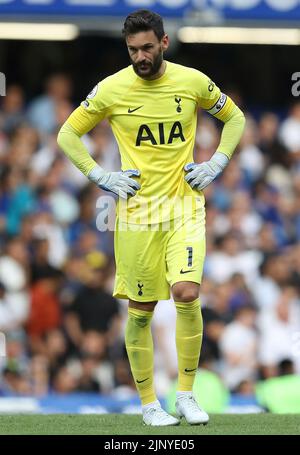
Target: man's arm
[(222, 107), (69, 139), (234, 123)]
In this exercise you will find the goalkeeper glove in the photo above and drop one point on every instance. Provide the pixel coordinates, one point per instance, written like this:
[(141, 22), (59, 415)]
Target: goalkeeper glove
[(201, 175), (118, 183)]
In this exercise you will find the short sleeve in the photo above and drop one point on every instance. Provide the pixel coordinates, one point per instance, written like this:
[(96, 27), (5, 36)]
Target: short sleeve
[(207, 92), (210, 97), (99, 100), (93, 109)]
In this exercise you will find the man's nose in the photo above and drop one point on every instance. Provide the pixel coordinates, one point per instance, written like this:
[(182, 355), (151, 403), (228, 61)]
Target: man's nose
[(140, 56)]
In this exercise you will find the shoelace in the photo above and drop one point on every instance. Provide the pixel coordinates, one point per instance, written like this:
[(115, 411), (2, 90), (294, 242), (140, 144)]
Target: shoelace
[(193, 405), (160, 412)]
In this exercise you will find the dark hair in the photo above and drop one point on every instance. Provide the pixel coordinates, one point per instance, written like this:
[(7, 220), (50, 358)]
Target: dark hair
[(143, 20), (285, 367)]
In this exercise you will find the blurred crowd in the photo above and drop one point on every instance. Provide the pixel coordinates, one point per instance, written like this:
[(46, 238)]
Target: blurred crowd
[(64, 330)]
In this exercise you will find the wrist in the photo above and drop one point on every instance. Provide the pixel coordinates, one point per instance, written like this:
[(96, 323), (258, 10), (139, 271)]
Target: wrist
[(96, 174), (219, 161)]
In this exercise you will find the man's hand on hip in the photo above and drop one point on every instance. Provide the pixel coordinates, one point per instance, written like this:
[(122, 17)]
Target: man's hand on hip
[(119, 183), (201, 175)]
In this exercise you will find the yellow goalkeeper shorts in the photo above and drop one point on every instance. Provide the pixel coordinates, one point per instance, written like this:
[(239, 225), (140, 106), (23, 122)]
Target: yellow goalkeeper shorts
[(151, 258)]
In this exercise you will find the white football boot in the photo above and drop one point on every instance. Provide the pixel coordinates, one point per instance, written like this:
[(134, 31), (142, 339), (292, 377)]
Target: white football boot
[(155, 416), (187, 406)]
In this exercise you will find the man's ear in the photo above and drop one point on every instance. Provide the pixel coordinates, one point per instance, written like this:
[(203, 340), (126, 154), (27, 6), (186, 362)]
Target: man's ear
[(165, 42)]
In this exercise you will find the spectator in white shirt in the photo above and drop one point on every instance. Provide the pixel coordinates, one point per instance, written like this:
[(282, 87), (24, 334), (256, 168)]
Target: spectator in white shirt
[(239, 348), (279, 327)]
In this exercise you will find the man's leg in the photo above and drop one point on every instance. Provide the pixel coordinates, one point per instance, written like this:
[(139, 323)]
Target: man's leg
[(139, 345), (189, 331), (140, 274)]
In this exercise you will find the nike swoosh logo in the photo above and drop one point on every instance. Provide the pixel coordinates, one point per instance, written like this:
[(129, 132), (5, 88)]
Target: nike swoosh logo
[(188, 371), (139, 382), (132, 110), (186, 271)]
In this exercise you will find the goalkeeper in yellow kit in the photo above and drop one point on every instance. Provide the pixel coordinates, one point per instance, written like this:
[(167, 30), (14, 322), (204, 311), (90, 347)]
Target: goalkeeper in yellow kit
[(152, 108)]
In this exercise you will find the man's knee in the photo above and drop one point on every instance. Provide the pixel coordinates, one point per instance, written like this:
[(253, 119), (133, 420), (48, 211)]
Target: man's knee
[(185, 291)]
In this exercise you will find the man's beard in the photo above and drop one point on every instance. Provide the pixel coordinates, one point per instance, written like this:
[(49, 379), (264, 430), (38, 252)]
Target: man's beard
[(146, 69)]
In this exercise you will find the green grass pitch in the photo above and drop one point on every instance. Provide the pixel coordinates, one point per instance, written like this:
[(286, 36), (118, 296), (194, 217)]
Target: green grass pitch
[(117, 424)]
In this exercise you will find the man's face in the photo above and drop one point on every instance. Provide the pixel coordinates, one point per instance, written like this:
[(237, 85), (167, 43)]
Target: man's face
[(146, 53)]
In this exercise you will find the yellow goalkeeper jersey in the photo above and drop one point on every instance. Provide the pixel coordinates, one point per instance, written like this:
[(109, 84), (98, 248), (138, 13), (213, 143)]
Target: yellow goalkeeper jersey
[(154, 123)]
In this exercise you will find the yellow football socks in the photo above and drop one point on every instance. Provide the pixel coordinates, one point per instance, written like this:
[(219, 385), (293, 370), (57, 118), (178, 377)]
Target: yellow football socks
[(189, 329), (139, 345)]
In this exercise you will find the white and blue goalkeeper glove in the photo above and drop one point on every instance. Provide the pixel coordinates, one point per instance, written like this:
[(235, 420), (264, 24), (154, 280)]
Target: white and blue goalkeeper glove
[(118, 183), (201, 175)]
